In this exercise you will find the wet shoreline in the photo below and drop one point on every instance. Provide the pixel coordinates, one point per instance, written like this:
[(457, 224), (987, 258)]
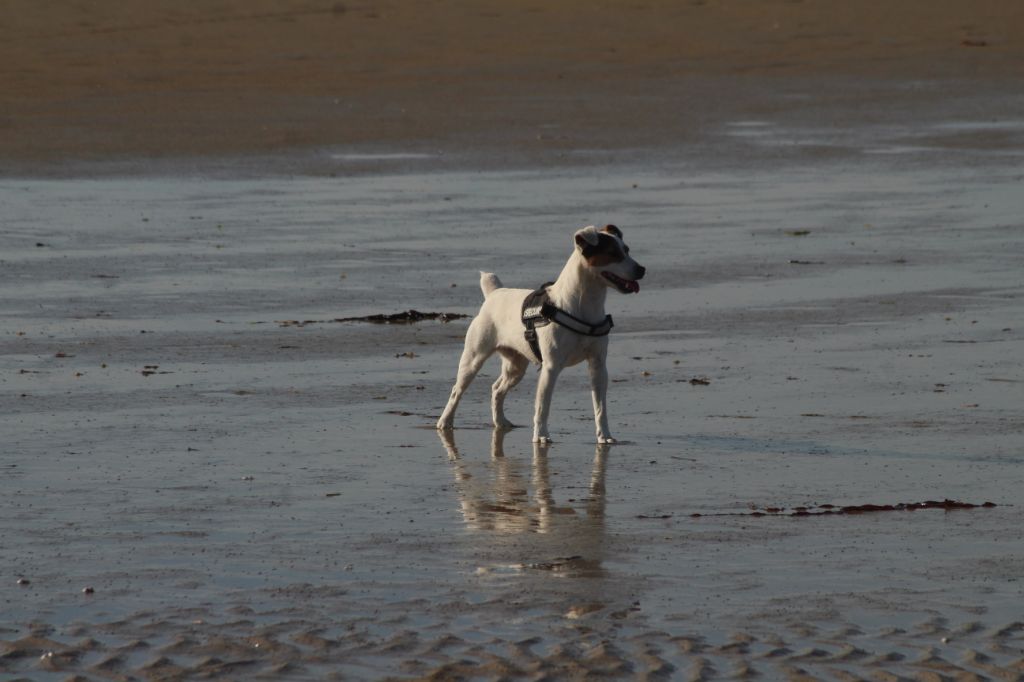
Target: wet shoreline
[(246, 498)]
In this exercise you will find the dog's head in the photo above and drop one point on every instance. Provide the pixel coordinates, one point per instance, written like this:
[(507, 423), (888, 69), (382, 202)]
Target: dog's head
[(605, 252)]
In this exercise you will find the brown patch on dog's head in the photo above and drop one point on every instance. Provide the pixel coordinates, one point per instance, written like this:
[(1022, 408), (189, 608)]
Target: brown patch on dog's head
[(598, 248), (604, 251), (588, 236)]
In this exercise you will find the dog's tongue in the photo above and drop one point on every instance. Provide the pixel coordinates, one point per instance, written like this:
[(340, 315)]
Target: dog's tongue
[(633, 286)]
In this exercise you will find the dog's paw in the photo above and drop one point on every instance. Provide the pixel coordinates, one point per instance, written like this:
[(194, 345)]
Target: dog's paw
[(543, 440), (606, 440), (504, 424), (445, 425)]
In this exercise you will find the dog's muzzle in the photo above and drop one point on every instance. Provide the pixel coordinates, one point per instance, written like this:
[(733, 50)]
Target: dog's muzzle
[(626, 286)]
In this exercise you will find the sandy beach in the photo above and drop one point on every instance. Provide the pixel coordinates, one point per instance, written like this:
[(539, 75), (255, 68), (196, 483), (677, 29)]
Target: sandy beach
[(206, 475), (158, 84)]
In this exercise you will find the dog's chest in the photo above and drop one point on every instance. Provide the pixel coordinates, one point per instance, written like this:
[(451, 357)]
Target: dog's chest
[(568, 348)]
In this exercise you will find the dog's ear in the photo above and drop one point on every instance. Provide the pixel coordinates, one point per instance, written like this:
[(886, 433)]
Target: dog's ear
[(611, 229), (588, 236)]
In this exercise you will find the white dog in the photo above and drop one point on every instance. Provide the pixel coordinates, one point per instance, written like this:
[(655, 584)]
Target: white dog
[(517, 324)]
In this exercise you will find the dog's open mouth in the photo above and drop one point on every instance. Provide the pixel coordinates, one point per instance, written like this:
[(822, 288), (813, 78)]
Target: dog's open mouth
[(626, 286)]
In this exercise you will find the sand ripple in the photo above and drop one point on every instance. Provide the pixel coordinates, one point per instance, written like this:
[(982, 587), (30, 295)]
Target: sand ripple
[(289, 648)]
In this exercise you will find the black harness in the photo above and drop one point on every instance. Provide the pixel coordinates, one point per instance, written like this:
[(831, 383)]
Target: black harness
[(538, 311)]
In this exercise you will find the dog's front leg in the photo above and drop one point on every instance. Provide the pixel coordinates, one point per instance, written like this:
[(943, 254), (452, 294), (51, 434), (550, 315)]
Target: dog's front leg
[(542, 407), (599, 391)]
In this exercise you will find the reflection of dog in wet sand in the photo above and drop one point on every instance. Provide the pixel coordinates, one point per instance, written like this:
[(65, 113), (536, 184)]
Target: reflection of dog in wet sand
[(495, 499), (517, 324)]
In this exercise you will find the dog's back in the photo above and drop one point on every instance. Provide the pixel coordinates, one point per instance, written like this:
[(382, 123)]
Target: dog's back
[(498, 322)]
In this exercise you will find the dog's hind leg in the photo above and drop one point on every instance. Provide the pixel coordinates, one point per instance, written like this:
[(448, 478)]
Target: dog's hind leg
[(473, 358), (513, 367)]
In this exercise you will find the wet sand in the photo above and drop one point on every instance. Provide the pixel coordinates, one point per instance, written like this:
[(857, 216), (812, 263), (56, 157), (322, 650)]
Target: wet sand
[(246, 496), (193, 486)]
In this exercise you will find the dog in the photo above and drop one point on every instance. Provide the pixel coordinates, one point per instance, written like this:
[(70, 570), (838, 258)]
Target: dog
[(568, 326)]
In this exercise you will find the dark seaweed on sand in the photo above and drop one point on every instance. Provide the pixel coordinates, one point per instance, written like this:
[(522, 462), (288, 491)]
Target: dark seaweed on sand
[(406, 317), (831, 509)]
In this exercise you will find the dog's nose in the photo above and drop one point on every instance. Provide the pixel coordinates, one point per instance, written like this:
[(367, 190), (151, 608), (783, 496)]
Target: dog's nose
[(640, 271)]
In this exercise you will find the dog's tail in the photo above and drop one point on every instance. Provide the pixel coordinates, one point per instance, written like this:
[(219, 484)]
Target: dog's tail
[(489, 282)]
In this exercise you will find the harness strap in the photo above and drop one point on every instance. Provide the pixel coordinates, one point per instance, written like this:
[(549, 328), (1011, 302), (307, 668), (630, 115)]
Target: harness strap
[(564, 319), (533, 316), (538, 311)]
